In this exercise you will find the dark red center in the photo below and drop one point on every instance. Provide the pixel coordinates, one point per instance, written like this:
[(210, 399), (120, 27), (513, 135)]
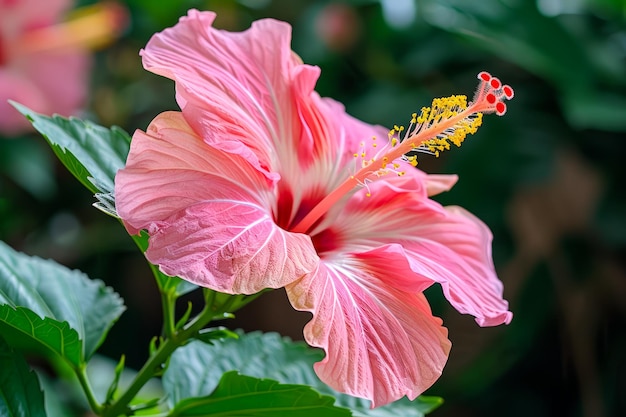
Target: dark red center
[(3, 52), (324, 241)]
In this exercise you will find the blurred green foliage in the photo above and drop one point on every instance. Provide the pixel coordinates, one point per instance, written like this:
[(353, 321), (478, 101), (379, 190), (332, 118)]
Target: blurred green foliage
[(547, 178)]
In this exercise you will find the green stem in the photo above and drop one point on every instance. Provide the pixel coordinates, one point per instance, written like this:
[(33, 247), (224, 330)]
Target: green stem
[(81, 373), (168, 295), (168, 301), (154, 363)]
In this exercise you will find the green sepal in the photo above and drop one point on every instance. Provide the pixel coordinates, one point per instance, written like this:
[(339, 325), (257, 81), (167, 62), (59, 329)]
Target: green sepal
[(216, 333)]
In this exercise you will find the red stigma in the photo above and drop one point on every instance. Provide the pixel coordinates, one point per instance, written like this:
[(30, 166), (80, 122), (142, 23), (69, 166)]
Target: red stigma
[(484, 75), (508, 91), (491, 94)]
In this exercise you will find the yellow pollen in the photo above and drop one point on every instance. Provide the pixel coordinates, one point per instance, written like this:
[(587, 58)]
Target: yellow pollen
[(441, 110), (433, 130)]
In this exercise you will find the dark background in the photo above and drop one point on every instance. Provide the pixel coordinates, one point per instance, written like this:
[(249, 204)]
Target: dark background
[(547, 178)]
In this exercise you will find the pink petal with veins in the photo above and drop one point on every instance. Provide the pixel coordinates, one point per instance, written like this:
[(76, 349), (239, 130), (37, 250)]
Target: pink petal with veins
[(444, 245), (207, 213), (235, 89), (381, 343)]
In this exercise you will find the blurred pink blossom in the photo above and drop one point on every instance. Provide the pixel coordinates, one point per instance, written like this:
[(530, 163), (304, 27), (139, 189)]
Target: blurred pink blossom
[(338, 26), (45, 64), (261, 183)]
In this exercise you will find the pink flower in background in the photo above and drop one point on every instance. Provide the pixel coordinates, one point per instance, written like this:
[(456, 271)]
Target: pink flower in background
[(260, 183), (43, 64)]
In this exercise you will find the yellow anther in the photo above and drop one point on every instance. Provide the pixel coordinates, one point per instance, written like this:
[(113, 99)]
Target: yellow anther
[(441, 110)]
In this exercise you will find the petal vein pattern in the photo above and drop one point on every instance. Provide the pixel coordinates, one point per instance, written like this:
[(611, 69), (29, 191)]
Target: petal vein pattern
[(208, 213), (230, 246), (381, 343), (447, 245), (233, 88)]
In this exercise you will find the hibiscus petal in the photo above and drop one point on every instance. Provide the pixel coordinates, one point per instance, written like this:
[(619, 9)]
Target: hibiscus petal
[(380, 343), (234, 88), (462, 264), (247, 93), (232, 247), (439, 183), (170, 168), (444, 245), (207, 212)]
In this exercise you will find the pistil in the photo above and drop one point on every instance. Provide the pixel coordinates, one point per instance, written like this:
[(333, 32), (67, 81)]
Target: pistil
[(448, 120)]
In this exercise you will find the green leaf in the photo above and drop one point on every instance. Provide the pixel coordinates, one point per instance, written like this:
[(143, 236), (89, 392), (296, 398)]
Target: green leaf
[(239, 395), (268, 355), (38, 292), (92, 153), (20, 393), (25, 329)]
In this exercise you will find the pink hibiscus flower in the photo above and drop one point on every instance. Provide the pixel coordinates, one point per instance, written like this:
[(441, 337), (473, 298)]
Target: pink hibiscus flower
[(260, 183), (45, 65)]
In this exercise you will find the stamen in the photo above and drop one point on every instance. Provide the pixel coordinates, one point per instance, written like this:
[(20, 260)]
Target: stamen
[(447, 121)]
